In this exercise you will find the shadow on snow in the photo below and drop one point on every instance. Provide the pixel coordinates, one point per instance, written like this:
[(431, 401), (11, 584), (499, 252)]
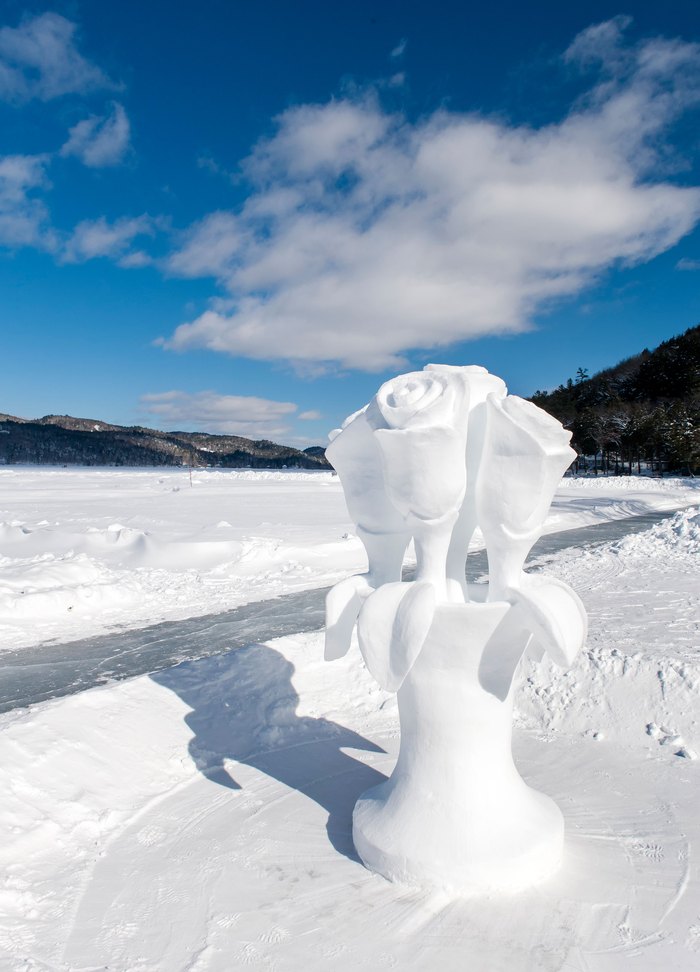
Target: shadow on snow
[(244, 709)]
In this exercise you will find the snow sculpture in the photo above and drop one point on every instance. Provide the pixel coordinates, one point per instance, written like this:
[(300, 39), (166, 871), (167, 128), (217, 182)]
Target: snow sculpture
[(433, 456)]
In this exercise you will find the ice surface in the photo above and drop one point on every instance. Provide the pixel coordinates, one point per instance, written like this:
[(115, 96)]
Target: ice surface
[(34, 674)]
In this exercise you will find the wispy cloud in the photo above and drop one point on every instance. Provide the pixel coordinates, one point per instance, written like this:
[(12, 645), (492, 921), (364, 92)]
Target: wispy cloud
[(687, 264), (208, 411), (310, 416), (208, 248), (135, 260), (400, 48), (601, 44), (40, 59), (99, 238), (210, 165), (100, 140), (24, 219), (366, 235)]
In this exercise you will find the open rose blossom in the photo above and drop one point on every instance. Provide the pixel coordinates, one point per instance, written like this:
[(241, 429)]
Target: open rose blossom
[(424, 442)]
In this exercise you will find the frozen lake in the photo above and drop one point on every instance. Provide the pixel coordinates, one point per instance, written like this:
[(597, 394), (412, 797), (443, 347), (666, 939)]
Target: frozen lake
[(47, 671)]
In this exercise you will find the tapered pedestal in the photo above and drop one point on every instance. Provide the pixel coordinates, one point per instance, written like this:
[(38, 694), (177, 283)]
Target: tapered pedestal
[(455, 813)]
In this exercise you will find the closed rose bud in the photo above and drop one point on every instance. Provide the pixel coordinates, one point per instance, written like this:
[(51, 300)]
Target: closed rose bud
[(525, 454)]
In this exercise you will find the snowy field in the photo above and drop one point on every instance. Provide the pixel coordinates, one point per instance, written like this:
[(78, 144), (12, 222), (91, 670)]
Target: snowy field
[(83, 551), (199, 818)]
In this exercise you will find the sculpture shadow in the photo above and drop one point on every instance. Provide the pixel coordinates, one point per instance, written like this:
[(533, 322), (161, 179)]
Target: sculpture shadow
[(244, 709)]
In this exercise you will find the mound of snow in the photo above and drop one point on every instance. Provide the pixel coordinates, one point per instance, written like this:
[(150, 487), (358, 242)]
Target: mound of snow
[(641, 665), (677, 536), (635, 484)]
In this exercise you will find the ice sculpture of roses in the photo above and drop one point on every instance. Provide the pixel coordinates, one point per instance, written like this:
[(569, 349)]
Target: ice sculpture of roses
[(423, 445)]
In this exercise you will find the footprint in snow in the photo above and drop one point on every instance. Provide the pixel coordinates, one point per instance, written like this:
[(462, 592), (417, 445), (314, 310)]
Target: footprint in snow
[(668, 737)]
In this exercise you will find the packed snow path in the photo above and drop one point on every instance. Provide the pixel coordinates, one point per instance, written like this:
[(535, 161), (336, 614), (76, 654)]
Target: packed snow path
[(31, 675)]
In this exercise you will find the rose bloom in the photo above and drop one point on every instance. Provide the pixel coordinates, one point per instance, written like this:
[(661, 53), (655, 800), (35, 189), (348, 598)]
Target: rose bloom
[(423, 445)]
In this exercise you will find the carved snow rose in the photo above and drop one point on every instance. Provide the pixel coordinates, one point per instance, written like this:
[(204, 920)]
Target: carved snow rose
[(524, 438), (355, 455), (423, 448), (357, 458), (526, 452), (422, 398)]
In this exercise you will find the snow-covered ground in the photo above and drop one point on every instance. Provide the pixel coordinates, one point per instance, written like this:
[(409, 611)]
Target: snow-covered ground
[(86, 550), (199, 819)]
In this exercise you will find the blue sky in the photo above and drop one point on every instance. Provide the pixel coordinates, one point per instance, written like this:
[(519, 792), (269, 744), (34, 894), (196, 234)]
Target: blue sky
[(244, 217)]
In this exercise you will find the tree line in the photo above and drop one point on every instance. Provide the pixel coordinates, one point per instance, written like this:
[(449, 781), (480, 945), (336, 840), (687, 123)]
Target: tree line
[(643, 415)]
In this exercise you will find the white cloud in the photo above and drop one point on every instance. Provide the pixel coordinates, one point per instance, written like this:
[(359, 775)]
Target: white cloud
[(366, 235), (100, 141), (99, 238), (24, 219), (685, 263), (600, 44), (400, 48), (310, 416), (39, 59), (208, 411), (135, 260), (208, 248)]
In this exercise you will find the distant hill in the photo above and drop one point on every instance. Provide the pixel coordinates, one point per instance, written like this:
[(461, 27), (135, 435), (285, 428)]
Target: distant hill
[(643, 412), (63, 439)]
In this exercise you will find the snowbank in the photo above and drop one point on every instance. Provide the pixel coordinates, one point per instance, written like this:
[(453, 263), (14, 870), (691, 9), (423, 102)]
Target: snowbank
[(638, 680)]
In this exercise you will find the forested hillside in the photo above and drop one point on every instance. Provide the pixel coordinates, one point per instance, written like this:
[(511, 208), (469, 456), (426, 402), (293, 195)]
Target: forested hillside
[(642, 414), (63, 439)]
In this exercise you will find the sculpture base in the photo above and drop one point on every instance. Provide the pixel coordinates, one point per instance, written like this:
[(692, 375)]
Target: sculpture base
[(456, 814), (427, 847)]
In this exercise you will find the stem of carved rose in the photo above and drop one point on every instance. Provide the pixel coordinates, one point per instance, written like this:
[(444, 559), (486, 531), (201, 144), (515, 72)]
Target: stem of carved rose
[(457, 556), (385, 553), (432, 541), (506, 557)]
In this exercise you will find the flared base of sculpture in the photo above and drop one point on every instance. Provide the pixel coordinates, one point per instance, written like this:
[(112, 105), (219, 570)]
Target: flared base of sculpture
[(432, 848), (456, 814)]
